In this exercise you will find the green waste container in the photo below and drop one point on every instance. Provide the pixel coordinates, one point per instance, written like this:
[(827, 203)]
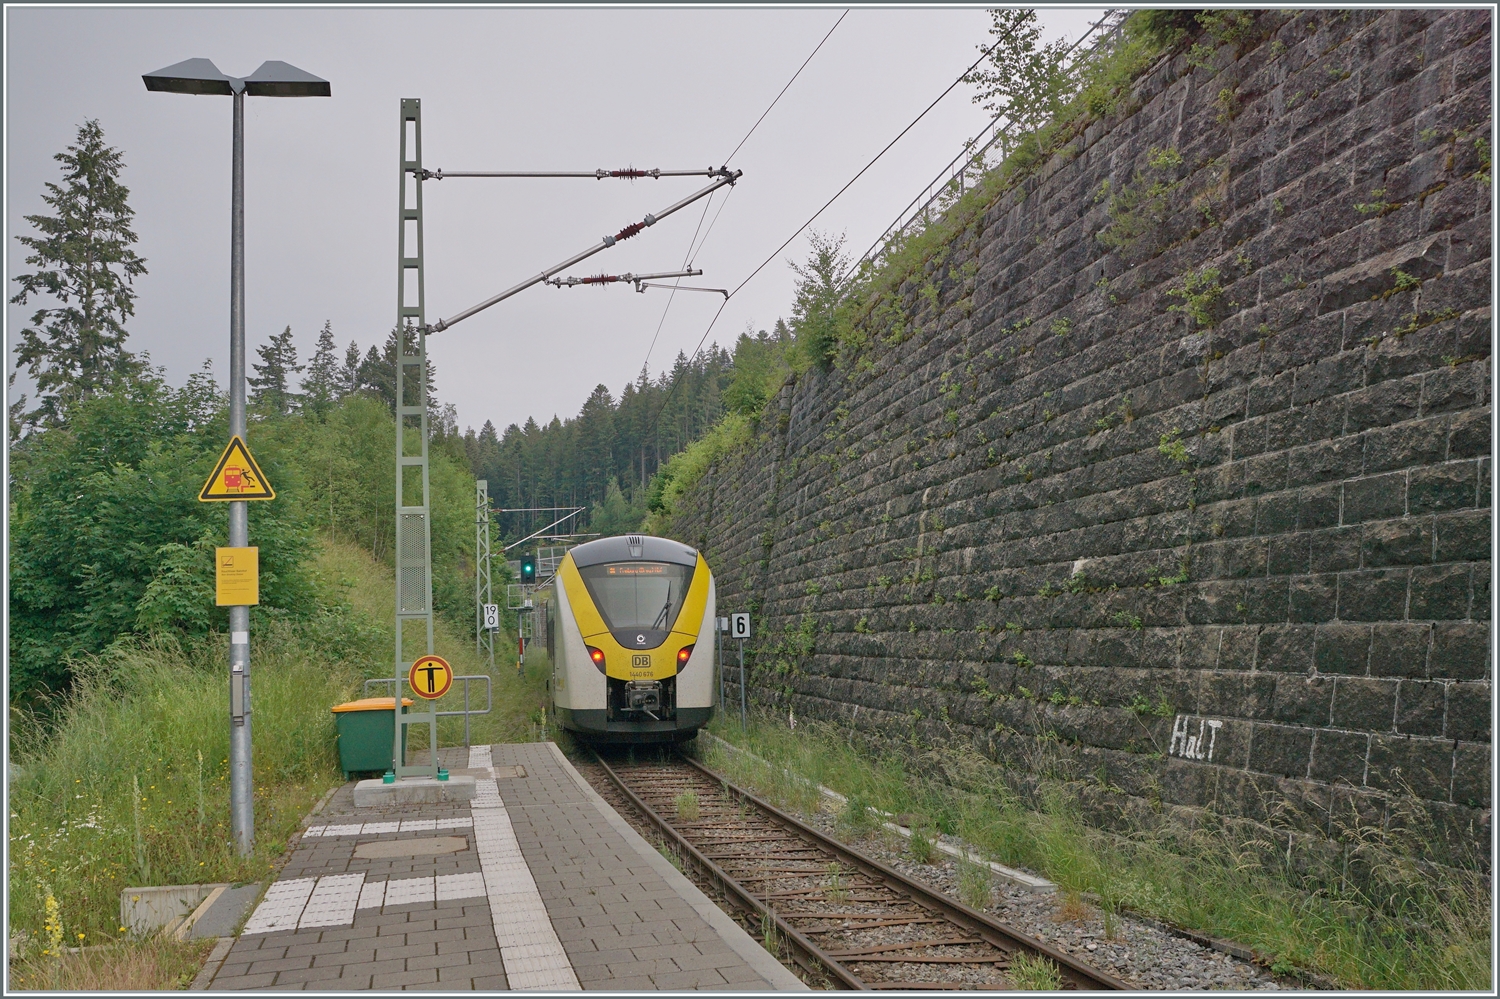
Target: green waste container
[(366, 729)]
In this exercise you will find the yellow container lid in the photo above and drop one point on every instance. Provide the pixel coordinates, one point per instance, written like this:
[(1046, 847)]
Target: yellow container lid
[(372, 704)]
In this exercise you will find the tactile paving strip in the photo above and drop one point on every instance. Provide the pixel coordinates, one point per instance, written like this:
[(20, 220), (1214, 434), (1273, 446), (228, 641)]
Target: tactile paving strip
[(304, 903), (533, 955), (376, 828)]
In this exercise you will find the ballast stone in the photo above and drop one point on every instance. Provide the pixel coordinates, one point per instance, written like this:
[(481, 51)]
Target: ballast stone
[(412, 791)]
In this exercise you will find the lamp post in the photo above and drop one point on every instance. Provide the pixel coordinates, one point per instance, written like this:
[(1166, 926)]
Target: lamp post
[(272, 79)]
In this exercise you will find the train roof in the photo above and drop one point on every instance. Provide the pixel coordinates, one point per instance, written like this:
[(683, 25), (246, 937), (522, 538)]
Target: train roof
[(634, 546)]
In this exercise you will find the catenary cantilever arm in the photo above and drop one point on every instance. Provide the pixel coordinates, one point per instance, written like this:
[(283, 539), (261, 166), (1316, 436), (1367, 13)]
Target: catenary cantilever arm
[(725, 177), (601, 279)]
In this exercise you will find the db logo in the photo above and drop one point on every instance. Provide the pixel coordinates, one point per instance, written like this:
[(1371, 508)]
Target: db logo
[(641, 661)]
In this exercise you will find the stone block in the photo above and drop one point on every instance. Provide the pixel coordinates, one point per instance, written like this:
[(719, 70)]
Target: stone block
[(1281, 750), (1469, 714), (1398, 650), (1365, 704), (1421, 707), (1343, 649)]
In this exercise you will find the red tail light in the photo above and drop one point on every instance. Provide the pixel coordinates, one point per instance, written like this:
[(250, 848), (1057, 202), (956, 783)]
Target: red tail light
[(597, 655), (684, 654)]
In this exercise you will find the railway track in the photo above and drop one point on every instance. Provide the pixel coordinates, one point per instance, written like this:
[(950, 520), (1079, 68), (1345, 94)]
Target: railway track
[(844, 918)]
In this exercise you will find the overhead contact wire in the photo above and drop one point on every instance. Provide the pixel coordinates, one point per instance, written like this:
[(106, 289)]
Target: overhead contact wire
[(692, 254), (814, 217)]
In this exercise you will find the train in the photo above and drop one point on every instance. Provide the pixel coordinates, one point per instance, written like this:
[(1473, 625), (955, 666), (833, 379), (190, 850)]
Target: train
[(630, 636)]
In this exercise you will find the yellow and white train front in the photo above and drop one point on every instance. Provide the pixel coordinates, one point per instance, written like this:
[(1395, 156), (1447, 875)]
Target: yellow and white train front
[(630, 635)]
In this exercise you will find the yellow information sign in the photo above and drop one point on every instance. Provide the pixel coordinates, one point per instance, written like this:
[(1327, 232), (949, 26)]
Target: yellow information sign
[(430, 677), (237, 577), (236, 477)]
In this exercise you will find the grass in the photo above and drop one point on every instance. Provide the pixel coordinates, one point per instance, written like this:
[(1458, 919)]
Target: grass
[(129, 965), (149, 714), (687, 805), (975, 884), (1034, 974), (1411, 926)]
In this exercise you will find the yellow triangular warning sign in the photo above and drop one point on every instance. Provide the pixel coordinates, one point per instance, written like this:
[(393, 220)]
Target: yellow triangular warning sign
[(236, 477)]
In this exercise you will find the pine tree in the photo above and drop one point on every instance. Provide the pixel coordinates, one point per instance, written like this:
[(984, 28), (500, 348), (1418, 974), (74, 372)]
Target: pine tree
[(84, 260), (349, 374), (271, 390), (322, 387)]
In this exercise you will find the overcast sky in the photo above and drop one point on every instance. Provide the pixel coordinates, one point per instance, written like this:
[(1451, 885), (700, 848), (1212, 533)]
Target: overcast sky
[(501, 89)]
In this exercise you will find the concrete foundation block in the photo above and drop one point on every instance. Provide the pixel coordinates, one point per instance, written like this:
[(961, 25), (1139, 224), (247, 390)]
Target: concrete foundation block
[(412, 791)]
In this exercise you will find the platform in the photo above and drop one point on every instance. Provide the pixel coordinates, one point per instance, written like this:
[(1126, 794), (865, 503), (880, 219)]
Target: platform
[(535, 883)]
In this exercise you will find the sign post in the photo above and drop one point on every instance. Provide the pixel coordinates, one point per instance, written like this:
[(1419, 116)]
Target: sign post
[(721, 625), (739, 627), (235, 479), (430, 677)]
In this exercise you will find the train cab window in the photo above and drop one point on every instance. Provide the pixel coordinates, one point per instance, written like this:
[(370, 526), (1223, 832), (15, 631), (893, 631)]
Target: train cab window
[(643, 596)]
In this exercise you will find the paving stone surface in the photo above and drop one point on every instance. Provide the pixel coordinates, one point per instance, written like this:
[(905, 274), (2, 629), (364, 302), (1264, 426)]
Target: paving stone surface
[(335, 921)]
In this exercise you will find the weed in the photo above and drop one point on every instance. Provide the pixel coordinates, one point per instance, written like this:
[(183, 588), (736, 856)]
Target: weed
[(1172, 448), (687, 805), (1404, 283), (1141, 206), (885, 581), (992, 594), (812, 589), (1377, 205), (1228, 103), (1181, 576), (1126, 620), (837, 888), (921, 847), (1200, 294), (1420, 320), (770, 936), (862, 626), (1034, 974), (1062, 326), (1014, 627), (975, 885), (1022, 660), (669, 854), (1482, 147)]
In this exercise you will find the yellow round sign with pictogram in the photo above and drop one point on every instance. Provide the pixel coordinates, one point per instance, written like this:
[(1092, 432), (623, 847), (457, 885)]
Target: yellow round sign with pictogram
[(430, 677)]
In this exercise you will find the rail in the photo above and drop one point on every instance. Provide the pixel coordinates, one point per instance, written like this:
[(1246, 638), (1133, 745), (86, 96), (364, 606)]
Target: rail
[(972, 923), (467, 712)]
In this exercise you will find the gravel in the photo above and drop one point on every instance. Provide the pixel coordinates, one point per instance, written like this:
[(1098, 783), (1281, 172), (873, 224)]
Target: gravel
[(1145, 955), (1142, 954)]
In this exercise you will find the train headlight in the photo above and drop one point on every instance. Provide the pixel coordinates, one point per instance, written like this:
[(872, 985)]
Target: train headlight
[(597, 655), (683, 655)]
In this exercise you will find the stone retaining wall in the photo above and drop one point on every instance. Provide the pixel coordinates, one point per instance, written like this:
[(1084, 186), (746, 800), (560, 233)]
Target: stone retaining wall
[(1202, 517)]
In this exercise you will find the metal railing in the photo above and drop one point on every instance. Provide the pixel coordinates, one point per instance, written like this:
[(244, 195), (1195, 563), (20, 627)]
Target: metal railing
[(466, 712)]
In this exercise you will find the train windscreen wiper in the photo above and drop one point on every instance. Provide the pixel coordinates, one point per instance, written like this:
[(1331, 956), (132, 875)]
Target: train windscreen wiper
[(661, 619)]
